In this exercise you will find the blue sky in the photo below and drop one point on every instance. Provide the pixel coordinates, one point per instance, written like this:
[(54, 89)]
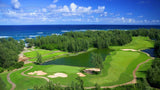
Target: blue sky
[(48, 12)]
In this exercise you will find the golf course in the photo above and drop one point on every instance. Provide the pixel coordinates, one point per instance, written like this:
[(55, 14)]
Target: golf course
[(122, 65)]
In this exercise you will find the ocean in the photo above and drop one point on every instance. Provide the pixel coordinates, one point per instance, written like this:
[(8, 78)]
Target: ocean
[(20, 32)]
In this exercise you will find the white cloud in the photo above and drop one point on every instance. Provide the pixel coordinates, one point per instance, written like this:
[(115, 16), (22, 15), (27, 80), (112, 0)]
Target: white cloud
[(63, 9), (44, 9), (84, 9), (100, 9), (52, 6), (73, 7), (16, 4), (55, 1)]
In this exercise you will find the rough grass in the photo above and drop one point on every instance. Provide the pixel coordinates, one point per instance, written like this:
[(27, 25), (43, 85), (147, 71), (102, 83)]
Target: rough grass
[(23, 82), (141, 73), (137, 43), (4, 78)]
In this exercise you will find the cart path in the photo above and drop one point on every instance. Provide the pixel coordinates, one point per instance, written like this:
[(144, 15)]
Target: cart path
[(22, 73), (130, 82), (113, 86), (9, 80), (134, 75)]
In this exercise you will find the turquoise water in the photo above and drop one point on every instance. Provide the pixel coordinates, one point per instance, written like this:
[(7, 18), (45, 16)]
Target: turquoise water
[(82, 60)]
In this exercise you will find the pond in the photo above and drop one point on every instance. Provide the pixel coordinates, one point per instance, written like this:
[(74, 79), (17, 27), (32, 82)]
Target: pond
[(82, 60), (149, 51)]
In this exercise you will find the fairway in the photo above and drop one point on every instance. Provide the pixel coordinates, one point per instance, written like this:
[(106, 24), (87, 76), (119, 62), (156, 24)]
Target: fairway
[(137, 43), (118, 68)]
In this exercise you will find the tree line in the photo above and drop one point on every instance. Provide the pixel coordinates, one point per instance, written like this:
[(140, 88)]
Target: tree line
[(81, 41), (9, 50)]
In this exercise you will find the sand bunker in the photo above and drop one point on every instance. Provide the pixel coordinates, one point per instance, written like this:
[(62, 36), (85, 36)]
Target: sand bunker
[(81, 74), (58, 75), (91, 70), (129, 50), (37, 72)]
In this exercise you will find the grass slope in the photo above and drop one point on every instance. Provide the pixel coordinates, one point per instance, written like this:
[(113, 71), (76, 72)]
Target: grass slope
[(137, 43), (23, 82)]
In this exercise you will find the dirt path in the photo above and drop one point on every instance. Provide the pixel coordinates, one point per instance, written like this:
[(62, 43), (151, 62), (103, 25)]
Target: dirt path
[(130, 82), (9, 80), (33, 76)]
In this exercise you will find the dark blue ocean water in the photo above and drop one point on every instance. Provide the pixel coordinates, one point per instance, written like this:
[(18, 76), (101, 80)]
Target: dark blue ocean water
[(31, 31)]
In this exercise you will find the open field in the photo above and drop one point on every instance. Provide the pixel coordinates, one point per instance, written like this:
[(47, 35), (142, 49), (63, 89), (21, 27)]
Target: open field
[(118, 67)]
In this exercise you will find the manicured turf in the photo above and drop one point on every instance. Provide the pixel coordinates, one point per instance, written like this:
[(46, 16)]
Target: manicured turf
[(50, 56), (34, 53), (118, 67), (23, 82), (71, 71), (137, 43), (50, 69), (4, 78)]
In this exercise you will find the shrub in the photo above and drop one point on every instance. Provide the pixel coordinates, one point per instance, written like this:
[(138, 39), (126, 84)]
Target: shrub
[(19, 64), (1, 69)]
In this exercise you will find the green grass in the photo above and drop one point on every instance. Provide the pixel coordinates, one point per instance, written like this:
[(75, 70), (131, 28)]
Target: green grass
[(141, 73), (50, 56), (50, 69), (71, 71), (118, 68), (137, 43), (4, 78), (33, 54), (23, 82)]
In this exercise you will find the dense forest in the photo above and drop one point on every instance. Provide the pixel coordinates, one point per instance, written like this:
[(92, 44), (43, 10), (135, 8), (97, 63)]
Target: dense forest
[(9, 50), (81, 41)]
